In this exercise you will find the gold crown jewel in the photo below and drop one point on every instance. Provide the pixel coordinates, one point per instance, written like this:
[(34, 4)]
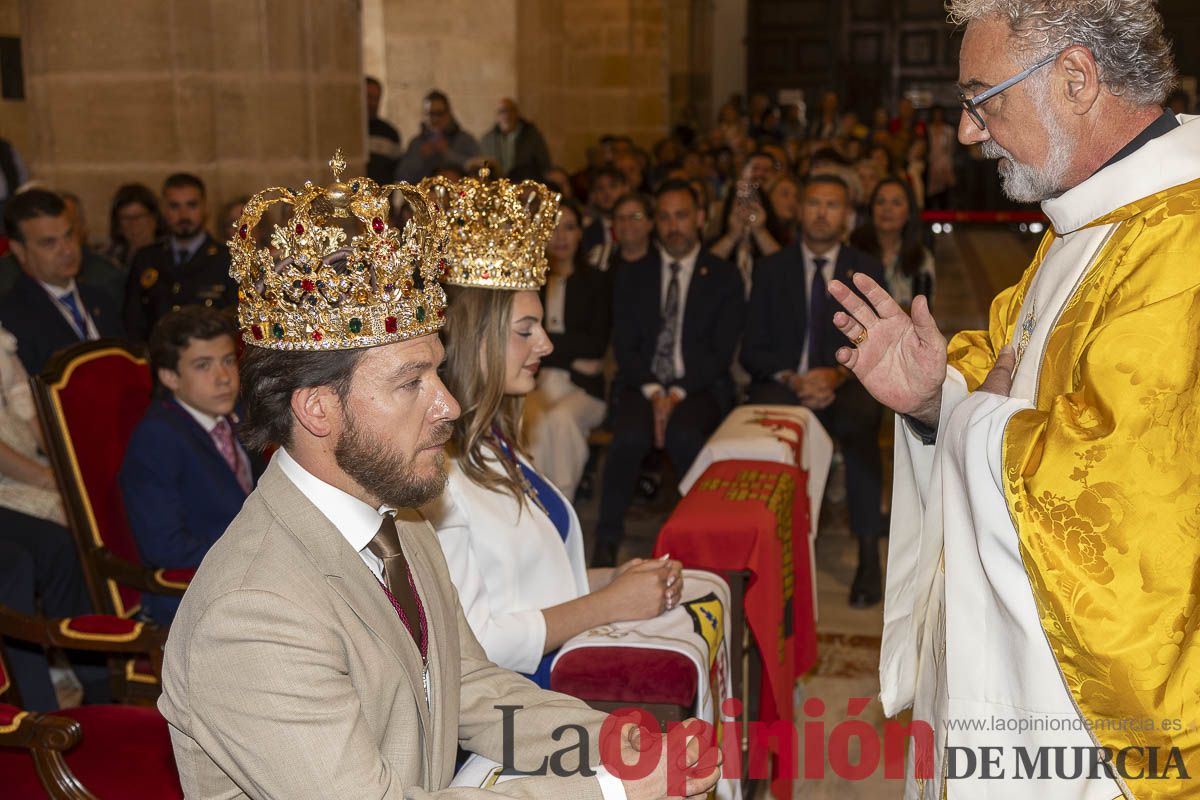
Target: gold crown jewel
[(498, 230), (338, 275)]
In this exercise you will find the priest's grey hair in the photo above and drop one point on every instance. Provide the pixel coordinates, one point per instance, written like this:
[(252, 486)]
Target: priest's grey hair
[(1124, 36)]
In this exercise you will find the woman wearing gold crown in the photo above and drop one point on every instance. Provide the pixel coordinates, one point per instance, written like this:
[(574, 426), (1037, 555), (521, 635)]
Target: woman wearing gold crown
[(512, 541)]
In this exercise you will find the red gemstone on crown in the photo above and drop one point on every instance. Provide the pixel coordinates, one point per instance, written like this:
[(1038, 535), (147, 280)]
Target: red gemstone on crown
[(441, 313), (486, 275), (308, 286), (390, 325), (317, 336), (377, 225), (243, 231), (256, 331), (299, 229)]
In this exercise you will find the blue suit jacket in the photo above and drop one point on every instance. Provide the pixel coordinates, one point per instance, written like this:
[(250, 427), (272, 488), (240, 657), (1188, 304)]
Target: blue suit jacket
[(180, 494)]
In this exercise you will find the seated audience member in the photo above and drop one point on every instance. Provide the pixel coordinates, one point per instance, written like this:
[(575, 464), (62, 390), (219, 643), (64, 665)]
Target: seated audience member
[(745, 232), (440, 143), (788, 349), (892, 234), (512, 542), (676, 326), (187, 267), (608, 186), (633, 227), (185, 475), (569, 399), (47, 309), (515, 144), (558, 180), (783, 200), (37, 554), (134, 222), (95, 268), (759, 169)]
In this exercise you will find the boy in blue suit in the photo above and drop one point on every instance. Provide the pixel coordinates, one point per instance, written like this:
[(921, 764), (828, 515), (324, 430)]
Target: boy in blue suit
[(185, 475)]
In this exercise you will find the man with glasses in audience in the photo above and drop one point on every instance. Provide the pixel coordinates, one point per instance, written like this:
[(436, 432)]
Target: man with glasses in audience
[(441, 142), (1043, 551)]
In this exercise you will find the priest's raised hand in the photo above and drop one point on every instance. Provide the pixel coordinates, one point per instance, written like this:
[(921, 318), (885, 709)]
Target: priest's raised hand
[(900, 360)]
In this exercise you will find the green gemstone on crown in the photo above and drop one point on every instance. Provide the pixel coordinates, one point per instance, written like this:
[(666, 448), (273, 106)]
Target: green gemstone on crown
[(355, 325)]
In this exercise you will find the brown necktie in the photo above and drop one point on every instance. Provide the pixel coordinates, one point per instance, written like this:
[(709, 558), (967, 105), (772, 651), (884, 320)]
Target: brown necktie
[(386, 545)]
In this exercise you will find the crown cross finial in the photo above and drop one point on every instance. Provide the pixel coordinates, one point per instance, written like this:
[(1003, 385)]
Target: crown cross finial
[(337, 164)]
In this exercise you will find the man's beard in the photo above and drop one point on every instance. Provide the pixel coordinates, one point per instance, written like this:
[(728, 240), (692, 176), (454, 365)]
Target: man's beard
[(1024, 183), (185, 230), (386, 474)]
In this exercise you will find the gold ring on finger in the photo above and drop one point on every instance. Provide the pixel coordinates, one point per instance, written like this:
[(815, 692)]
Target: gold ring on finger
[(862, 337)]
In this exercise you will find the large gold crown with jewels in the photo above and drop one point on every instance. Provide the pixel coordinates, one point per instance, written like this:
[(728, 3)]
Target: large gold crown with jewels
[(498, 230), (338, 275)]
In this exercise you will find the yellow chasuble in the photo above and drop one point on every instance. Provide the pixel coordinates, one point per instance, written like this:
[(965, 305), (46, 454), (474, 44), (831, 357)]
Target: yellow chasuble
[(1102, 479), (1044, 557)]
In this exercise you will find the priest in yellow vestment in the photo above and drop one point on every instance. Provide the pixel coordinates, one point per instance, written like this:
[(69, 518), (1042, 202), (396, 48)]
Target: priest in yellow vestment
[(1044, 560)]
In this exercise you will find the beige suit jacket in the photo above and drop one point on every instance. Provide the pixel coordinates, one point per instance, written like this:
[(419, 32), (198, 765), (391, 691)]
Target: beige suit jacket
[(289, 675)]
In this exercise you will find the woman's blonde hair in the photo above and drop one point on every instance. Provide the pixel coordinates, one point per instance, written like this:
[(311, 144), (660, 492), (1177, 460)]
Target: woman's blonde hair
[(476, 340)]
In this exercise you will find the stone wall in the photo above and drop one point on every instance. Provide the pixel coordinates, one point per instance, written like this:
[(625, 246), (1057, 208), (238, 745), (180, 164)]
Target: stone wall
[(245, 95), (14, 114), (589, 67)]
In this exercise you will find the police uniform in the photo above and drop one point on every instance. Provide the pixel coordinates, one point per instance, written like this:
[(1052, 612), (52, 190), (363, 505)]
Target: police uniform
[(157, 285)]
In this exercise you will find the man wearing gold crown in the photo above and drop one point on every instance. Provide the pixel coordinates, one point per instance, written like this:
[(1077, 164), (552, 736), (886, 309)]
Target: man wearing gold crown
[(1042, 578), (321, 651)]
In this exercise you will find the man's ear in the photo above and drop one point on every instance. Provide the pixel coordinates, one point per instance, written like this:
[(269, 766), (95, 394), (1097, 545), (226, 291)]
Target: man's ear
[(169, 378), (317, 409), (1082, 79), (18, 251)]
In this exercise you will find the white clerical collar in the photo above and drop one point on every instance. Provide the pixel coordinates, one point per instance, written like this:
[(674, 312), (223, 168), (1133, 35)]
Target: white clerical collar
[(206, 421), (353, 518), (1163, 163)]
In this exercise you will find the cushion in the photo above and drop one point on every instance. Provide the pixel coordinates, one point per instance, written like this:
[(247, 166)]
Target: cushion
[(101, 627), (634, 675), (125, 753)]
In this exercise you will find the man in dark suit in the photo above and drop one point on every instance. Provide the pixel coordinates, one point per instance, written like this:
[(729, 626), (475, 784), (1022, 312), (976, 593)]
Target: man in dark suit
[(185, 474), (46, 309), (186, 268), (789, 347), (675, 329)]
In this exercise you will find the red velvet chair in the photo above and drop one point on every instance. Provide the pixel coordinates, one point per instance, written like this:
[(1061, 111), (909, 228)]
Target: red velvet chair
[(90, 752), (90, 397)]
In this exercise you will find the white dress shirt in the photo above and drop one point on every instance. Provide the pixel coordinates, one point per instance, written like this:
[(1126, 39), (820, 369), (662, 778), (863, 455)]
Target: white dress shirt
[(687, 266), (353, 518), (57, 293)]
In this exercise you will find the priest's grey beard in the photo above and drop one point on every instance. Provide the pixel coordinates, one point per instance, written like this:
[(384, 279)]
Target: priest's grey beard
[(385, 473), (1025, 183)]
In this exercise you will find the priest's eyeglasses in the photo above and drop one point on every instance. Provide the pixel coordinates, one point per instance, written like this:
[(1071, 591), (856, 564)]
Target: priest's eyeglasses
[(971, 104)]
